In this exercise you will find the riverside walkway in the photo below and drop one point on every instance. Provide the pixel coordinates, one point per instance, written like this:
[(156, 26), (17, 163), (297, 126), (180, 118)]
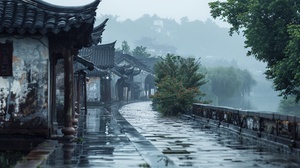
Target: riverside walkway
[(190, 144), (137, 136)]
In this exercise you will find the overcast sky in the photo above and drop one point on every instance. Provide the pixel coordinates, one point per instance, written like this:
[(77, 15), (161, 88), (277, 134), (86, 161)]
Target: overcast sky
[(133, 9)]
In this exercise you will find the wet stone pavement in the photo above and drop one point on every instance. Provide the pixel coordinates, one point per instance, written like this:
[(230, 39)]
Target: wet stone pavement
[(190, 144), (106, 140)]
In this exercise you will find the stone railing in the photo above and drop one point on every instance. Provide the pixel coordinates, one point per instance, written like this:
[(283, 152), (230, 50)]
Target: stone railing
[(272, 127)]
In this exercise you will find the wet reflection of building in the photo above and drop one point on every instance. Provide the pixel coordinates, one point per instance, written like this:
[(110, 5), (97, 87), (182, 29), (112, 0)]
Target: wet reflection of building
[(97, 139)]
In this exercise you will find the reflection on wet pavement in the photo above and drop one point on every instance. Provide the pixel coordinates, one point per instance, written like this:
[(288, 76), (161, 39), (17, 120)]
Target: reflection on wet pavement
[(100, 144), (190, 144)]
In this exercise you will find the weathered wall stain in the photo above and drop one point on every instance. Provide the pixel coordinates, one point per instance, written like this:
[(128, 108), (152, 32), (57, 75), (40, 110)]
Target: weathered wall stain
[(93, 89), (24, 96)]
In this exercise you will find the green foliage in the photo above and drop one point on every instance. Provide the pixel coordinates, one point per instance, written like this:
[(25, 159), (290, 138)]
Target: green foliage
[(289, 106), (228, 83), (184, 69), (178, 82), (172, 97), (140, 52), (272, 34), (286, 72), (125, 48)]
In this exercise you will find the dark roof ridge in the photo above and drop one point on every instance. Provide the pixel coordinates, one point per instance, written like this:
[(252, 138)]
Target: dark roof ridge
[(97, 32), (100, 27), (39, 17), (102, 46), (84, 62), (63, 9), (112, 44), (101, 55), (132, 60)]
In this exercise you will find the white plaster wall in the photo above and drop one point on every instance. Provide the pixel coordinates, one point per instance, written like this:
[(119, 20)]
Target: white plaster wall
[(93, 89), (141, 78), (114, 79), (30, 72)]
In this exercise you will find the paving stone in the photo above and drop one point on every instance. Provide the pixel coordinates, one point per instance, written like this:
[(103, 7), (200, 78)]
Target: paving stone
[(137, 136), (204, 148), (108, 140)]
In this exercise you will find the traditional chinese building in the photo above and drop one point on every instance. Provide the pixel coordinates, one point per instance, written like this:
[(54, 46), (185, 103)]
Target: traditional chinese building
[(133, 80), (34, 35), (99, 85)]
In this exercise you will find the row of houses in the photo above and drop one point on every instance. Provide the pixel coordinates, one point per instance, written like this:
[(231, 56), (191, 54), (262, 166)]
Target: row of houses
[(129, 77), (50, 57)]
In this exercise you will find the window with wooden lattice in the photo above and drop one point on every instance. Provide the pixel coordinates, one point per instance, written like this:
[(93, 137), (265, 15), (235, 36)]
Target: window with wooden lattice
[(6, 54)]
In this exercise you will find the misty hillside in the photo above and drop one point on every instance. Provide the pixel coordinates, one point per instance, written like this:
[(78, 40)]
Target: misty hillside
[(206, 40), (188, 38)]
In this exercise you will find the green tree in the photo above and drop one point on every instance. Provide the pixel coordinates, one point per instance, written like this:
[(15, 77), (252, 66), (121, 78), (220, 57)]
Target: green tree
[(140, 52), (224, 83), (247, 82), (289, 106), (230, 86), (125, 48), (271, 31), (178, 81)]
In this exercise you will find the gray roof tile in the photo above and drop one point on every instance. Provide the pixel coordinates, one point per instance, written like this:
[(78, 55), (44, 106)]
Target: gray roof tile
[(37, 16), (102, 56)]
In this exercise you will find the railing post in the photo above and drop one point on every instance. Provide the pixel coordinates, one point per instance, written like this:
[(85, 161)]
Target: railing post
[(260, 120), (277, 128), (295, 129)]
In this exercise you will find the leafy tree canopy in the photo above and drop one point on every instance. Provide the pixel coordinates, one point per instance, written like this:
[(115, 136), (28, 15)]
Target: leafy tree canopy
[(289, 106), (228, 83), (178, 81), (271, 28), (125, 48), (140, 52)]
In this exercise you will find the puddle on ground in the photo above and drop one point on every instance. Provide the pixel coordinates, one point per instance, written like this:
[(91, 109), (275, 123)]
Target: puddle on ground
[(102, 144)]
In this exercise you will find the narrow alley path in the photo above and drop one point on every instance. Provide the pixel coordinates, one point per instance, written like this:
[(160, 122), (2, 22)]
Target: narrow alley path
[(190, 144)]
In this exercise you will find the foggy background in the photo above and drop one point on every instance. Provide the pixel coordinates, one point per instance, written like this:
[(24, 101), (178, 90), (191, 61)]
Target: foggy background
[(206, 40), (184, 28)]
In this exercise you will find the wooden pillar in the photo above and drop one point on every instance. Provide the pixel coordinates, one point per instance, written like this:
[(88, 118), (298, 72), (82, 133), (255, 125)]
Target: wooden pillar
[(79, 91), (53, 115), (79, 96), (68, 129), (102, 89), (108, 89), (148, 90), (105, 90), (76, 95), (84, 91)]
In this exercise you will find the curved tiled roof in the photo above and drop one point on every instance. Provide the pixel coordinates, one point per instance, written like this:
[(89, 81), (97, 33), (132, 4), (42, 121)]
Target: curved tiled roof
[(37, 16), (101, 55), (97, 32), (119, 57), (83, 64), (127, 70), (98, 72)]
